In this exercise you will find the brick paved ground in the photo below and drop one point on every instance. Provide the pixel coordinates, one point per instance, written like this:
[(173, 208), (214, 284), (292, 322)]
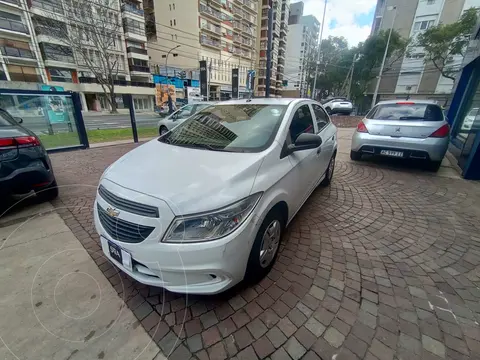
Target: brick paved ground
[(384, 264)]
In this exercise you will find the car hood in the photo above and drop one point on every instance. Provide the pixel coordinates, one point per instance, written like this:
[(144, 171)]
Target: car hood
[(189, 180)]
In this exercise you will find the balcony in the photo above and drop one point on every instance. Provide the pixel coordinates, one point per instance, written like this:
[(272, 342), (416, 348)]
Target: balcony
[(250, 18), (216, 30), (48, 6), (208, 11), (132, 9), (216, 3), (16, 26), (88, 80), (134, 33), (237, 39), (281, 62), (250, 5), (248, 30), (281, 54), (17, 53), (246, 42), (237, 25), (135, 50), (210, 42), (139, 68), (237, 12)]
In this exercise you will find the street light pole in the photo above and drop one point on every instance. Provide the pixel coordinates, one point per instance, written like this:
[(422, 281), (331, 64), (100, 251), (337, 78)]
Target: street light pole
[(379, 77), (170, 105), (319, 48)]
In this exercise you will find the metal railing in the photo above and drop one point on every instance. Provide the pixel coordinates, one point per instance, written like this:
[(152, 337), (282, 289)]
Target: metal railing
[(211, 27), (207, 10), (139, 68), (132, 9), (52, 6), (210, 42), (13, 26), (16, 52), (59, 57), (237, 38), (135, 50)]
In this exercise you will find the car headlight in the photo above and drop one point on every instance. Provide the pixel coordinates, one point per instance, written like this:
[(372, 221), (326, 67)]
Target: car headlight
[(211, 225)]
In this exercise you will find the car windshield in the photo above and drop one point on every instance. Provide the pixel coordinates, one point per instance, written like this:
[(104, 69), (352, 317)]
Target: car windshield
[(406, 111), (233, 128)]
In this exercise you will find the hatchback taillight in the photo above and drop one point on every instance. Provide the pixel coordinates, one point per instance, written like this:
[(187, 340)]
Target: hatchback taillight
[(361, 127), (441, 132), (21, 141)]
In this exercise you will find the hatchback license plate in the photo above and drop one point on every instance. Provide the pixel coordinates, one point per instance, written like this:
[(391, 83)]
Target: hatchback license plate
[(120, 255), (391, 153)]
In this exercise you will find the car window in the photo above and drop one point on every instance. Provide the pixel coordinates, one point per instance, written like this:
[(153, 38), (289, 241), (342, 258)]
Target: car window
[(302, 122), (201, 107), (184, 111), (6, 119), (320, 116), (406, 111), (233, 128)]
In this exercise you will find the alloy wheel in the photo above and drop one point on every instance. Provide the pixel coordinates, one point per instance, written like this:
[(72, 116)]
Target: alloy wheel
[(270, 243)]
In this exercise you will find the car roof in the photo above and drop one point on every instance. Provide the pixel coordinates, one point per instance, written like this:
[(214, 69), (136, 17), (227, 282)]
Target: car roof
[(414, 101)]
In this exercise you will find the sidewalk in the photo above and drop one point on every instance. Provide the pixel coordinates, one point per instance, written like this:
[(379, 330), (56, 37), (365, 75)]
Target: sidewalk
[(55, 301)]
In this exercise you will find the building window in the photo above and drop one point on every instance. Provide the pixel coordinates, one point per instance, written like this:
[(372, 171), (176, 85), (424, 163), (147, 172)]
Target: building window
[(60, 75), (170, 7), (174, 22), (23, 73), (173, 6), (171, 23), (423, 25)]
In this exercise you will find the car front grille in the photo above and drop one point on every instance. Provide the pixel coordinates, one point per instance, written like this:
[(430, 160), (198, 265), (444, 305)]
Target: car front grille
[(122, 230), (128, 205)]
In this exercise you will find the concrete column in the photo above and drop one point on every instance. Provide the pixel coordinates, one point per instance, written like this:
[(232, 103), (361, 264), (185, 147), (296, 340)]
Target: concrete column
[(83, 100)]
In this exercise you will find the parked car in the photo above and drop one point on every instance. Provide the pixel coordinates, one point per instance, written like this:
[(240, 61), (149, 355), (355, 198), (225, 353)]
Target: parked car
[(24, 163), (212, 211), (413, 129), (472, 120), (180, 116), (339, 105)]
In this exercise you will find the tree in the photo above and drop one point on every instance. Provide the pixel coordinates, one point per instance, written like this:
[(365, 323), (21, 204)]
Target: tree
[(90, 32), (442, 42)]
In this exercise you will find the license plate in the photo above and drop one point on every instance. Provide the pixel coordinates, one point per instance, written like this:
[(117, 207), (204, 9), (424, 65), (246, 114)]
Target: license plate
[(391, 153), (120, 255)]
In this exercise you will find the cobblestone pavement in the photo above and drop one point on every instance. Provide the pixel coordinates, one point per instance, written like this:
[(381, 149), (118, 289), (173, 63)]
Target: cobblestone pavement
[(384, 264)]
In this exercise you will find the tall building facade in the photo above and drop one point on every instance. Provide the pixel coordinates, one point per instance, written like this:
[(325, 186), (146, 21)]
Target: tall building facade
[(30, 55), (410, 75), (222, 32), (280, 10), (301, 44)]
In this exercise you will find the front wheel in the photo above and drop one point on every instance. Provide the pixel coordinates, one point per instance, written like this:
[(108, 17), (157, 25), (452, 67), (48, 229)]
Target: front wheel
[(163, 130), (329, 173), (265, 248)]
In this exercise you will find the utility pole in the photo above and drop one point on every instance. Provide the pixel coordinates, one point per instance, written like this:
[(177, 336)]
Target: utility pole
[(379, 77), (319, 49), (269, 48)]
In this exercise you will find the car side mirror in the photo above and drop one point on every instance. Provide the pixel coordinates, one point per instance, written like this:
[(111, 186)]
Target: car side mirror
[(18, 119), (305, 141)]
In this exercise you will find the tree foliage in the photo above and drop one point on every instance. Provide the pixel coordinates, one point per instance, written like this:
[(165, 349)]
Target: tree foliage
[(442, 42), (90, 32)]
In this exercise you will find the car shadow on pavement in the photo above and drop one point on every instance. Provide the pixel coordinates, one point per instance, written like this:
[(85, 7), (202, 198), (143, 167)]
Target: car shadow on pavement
[(409, 165)]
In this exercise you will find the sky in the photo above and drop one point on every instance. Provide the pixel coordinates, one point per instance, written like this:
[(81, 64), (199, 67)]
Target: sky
[(351, 19)]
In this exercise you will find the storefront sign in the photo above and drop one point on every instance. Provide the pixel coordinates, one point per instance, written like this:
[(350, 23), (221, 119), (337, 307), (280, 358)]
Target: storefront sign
[(250, 80)]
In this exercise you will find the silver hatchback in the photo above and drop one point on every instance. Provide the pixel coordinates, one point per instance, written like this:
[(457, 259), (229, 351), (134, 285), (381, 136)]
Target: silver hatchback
[(413, 129)]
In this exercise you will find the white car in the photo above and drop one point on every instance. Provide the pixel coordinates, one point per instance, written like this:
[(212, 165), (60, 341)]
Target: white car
[(205, 205), (338, 106), (179, 116)]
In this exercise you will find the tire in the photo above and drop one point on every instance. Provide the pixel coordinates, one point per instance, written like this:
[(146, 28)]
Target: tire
[(256, 270), (49, 193), (434, 165), (163, 130), (328, 110), (329, 173), (355, 155)]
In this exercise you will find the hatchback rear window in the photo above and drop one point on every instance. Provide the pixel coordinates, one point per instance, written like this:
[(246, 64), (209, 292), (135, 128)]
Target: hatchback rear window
[(406, 111)]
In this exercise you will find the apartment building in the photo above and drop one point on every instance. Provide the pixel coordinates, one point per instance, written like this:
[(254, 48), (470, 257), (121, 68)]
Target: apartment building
[(301, 44), (222, 32), (31, 54), (410, 75), (280, 10)]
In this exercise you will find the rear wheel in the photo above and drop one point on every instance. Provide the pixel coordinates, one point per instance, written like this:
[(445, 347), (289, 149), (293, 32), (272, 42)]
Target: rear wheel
[(434, 165), (329, 173), (265, 248), (48, 193), (355, 155), (163, 130)]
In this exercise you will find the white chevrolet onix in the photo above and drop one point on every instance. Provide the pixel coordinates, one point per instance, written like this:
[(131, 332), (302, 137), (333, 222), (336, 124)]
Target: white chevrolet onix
[(205, 205)]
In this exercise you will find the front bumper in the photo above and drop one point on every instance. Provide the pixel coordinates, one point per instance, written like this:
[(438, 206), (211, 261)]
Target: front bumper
[(433, 149), (199, 268)]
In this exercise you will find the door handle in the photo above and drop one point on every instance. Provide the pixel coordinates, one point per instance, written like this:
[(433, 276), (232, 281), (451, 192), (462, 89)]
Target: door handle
[(333, 138)]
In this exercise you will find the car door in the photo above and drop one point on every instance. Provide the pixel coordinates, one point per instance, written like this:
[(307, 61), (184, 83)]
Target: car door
[(326, 131), (305, 168)]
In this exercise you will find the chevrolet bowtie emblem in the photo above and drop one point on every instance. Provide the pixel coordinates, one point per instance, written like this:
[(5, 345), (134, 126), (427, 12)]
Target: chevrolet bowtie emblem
[(112, 212)]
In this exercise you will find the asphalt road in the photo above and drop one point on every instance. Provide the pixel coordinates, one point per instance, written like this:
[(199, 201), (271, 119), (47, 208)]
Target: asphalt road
[(93, 122)]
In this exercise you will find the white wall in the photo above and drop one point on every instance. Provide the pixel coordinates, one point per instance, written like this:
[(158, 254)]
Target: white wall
[(292, 56)]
